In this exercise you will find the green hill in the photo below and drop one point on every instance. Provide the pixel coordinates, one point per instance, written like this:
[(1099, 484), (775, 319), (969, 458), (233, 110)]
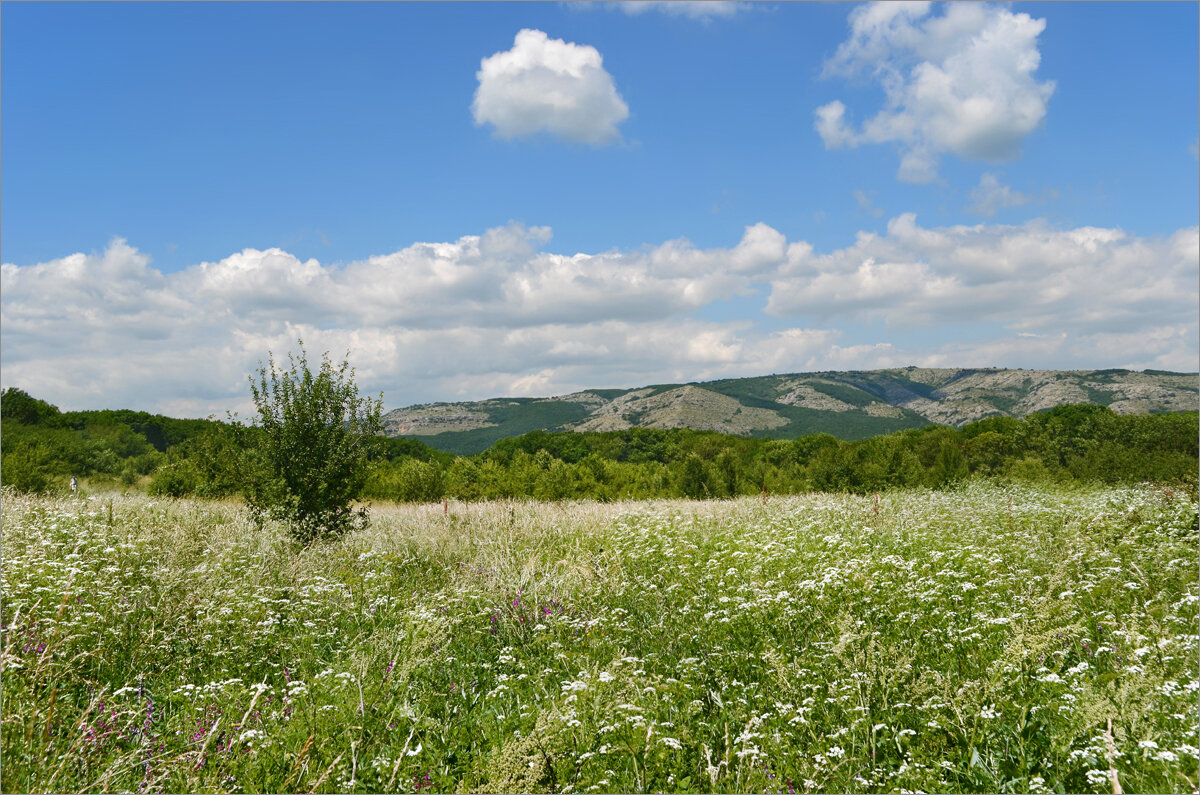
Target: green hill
[(846, 404)]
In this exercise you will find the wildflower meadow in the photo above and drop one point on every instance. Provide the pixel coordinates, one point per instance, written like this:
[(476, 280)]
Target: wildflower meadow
[(991, 637)]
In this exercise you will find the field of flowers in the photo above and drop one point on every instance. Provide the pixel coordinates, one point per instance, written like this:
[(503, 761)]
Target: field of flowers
[(992, 638)]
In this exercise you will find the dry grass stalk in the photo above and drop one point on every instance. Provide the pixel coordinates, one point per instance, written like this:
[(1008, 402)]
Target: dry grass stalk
[(1112, 753)]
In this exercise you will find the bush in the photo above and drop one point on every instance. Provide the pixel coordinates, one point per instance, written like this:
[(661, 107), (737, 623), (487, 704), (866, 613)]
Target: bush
[(316, 442), (692, 478), (26, 468), (410, 480)]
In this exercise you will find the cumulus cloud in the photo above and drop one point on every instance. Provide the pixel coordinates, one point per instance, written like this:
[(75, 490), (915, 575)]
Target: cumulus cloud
[(1028, 278), (962, 82), (428, 320), (499, 314), (549, 85), (832, 127), (991, 195)]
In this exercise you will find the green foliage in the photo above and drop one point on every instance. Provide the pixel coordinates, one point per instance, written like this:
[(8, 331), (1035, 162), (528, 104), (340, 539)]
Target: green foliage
[(159, 431), (806, 447), (511, 416), (847, 394), (409, 480), (26, 467), (395, 448), (216, 463), (950, 466), (1080, 444), (105, 445), (846, 425), (96, 451), (176, 478), (693, 477), (123, 441), (222, 457), (1088, 445), (986, 452), (17, 404), (317, 438), (760, 388)]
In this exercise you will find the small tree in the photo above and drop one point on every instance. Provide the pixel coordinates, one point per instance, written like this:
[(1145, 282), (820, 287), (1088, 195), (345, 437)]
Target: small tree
[(692, 477), (26, 468), (317, 437)]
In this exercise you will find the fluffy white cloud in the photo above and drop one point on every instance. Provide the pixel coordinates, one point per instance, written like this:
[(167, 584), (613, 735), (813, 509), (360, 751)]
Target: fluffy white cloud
[(108, 328), (548, 85), (962, 82), (991, 195), (497, 314), (1029, 278), (832, 127)]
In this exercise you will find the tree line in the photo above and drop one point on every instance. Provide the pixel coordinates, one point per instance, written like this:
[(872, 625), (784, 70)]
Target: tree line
[(41, 447)]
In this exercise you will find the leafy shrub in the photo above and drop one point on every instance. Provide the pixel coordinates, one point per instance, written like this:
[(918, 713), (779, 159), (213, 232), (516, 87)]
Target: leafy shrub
[(316, 442), (26, 469), (177, 478), (692, 478)]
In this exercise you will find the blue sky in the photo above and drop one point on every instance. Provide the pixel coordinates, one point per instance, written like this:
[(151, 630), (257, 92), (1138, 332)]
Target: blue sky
[(620, 195)]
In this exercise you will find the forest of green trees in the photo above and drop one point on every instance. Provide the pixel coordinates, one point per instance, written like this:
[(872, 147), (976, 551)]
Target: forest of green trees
[(43, 447)]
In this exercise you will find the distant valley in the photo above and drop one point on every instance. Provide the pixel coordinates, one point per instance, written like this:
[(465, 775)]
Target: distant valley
[(847, 404)]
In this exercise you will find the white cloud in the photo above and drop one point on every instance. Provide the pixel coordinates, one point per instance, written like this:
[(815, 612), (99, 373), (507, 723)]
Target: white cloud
[(761, 247), (831, 125), (548, 85), (694, 9), (108, 327), (962, 82), (1029, 278), (991, 195), (496, 314), (866, 202)]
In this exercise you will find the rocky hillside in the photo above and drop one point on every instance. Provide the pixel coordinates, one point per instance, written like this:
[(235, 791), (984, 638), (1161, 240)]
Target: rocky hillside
[(850, 405)]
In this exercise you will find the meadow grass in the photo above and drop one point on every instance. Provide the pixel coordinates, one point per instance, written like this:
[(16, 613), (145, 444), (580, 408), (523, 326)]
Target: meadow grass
[(980, 639)]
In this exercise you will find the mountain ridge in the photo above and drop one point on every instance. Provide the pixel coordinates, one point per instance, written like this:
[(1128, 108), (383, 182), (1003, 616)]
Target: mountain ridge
[(849, 404)]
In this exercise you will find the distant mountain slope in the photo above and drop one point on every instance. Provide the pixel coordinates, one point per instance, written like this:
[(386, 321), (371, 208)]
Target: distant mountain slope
[(849, 405)]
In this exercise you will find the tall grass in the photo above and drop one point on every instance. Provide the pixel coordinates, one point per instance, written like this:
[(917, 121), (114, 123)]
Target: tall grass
[(975, 640)]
